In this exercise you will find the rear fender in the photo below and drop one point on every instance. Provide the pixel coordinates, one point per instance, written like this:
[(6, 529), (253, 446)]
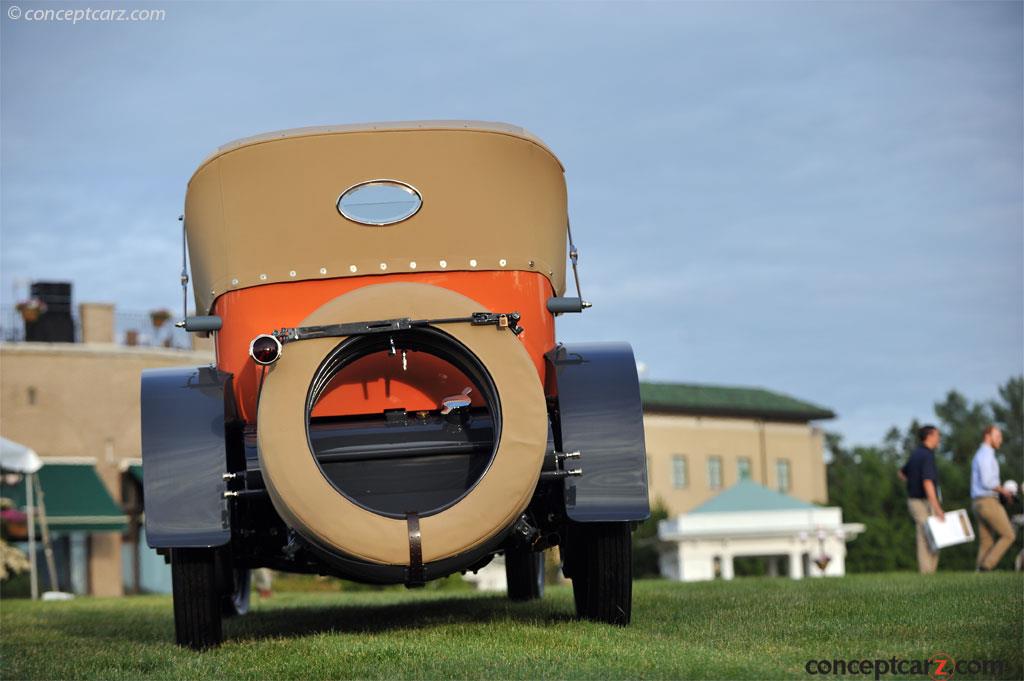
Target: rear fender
[(600, 415), (184, 456)]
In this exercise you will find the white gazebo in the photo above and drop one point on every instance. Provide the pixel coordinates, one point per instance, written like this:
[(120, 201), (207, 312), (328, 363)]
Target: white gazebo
[(749, 520)]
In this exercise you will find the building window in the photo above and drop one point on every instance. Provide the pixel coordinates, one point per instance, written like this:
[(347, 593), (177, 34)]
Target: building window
[(715, 472), (30, 395), (743, 468), (782, 474), (680, 477)]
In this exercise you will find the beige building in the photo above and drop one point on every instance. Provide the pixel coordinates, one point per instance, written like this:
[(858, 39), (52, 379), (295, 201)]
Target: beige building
[(741, 472), (704, 439), (77, 405)]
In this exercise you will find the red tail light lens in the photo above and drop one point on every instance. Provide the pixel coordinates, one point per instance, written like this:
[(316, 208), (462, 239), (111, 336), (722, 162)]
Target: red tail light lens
[(265, 349)]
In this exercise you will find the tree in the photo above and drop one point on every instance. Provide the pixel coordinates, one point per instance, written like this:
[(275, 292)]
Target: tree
[(863, 482), (962, 426), (646, 544), (1008, 413)]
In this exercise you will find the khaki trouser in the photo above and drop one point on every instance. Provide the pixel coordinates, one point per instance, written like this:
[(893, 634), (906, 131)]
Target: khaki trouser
[(927, 561), (992, 522)]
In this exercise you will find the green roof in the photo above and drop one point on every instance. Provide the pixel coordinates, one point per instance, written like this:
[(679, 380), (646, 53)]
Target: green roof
[(746, 496), (717, 400), (76, 499)]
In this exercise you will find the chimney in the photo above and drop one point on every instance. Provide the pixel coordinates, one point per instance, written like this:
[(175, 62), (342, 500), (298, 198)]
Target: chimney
[(97, 321), (54, 323)]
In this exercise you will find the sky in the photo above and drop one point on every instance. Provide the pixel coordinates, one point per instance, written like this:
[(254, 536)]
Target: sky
[(826, 200)]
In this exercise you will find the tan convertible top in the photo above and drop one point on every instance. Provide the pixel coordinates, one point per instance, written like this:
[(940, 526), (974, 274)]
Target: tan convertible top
[(264, 209)]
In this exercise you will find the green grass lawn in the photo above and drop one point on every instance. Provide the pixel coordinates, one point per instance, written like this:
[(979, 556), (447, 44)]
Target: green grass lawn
[(745, 629)]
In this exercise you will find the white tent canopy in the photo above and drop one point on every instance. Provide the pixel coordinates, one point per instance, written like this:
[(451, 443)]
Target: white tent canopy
[(21, 459), (17, 457)]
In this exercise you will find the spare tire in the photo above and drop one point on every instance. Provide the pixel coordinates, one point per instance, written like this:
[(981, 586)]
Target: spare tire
[(314, 507)]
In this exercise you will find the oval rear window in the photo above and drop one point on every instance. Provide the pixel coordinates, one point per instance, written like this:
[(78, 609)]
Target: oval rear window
[(379, 202)]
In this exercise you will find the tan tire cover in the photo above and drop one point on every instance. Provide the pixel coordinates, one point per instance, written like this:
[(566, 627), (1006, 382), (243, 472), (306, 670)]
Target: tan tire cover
[(310, 504)]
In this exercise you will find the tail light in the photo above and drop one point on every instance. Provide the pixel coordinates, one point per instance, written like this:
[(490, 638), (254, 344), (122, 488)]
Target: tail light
[(265, 349)]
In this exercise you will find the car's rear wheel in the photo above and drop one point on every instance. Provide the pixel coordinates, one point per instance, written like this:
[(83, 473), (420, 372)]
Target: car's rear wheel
[(524, 574), (197, 598), (601, 562)]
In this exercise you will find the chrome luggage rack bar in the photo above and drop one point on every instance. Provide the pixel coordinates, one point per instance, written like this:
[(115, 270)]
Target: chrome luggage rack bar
[(501, 320)]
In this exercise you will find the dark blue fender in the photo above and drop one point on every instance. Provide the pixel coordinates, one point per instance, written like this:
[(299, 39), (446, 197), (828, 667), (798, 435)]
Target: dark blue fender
[(184, 457), (601, 416)]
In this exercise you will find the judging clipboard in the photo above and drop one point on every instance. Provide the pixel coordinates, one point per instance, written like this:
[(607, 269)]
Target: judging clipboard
[(955, 530)]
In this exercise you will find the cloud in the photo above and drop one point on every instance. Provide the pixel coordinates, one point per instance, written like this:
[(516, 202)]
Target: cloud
[(825, 199)]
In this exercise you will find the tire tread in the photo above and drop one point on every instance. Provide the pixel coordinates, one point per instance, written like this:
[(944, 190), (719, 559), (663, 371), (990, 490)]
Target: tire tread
[(603, 572), (197, 604)]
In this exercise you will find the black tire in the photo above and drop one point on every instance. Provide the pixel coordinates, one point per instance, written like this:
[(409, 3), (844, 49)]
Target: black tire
[(579, 592), (524, 574), (602, 571), (197, 598)]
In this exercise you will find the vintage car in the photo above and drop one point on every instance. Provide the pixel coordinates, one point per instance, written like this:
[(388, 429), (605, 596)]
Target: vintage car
[(389, 403)]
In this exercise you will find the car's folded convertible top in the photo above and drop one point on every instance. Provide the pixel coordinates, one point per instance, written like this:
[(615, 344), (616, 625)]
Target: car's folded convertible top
[(264, 210)]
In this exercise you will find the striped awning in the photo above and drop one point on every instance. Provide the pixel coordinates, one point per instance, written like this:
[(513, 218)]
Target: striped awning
[(75, 497)]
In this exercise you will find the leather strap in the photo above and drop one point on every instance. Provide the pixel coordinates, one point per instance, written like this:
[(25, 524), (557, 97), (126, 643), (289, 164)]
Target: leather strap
[(414, 577)]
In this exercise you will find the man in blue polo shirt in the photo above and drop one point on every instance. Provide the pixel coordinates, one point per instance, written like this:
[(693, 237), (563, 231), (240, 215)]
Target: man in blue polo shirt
[(922, 478)]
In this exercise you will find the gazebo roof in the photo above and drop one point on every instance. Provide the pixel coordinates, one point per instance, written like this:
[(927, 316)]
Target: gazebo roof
[(747, 495)]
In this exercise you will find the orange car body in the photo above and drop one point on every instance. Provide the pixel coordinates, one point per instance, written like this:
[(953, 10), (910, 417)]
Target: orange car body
[(253, 311)]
